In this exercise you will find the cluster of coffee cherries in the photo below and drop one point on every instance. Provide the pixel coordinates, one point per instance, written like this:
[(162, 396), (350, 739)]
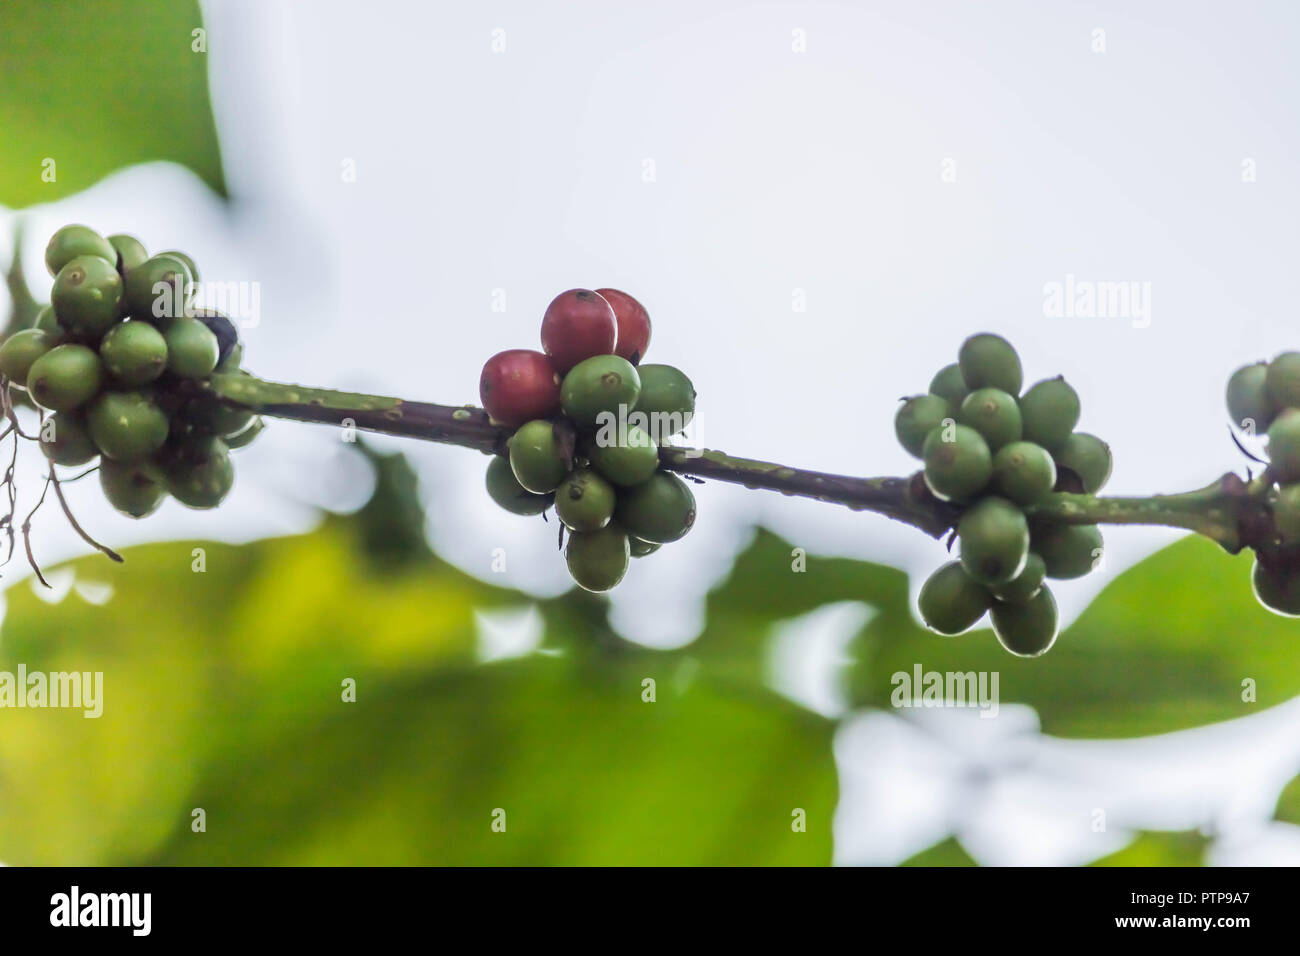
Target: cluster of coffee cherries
[(1264, 398), (992, 452), (588, 419), (110, 358)]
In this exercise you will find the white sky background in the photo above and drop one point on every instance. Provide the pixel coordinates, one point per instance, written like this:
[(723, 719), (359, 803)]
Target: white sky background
[(775, 171)]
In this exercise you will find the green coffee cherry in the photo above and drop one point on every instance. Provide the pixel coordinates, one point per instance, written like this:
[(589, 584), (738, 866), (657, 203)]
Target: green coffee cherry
[(200, 473), (600, 384), (994, 541), (20, 350), (1049, 411), (47, 321), (584, 501), (133, 488), (989, 361), (950, 601), (1023, 472), (504, 488), (659, 510), (994, 414), (916, 418), (130, 252), (1282, 380), (1284, 446), (1286, 513), (1088, 457), (598, 560), (1249, 406), (1025, 585), (1068, 550), (667, 397), (1029, 629), (185, 260), (158, 289), (1277, 590), (232, 361), (219, 419), (134, 352), (65, 440), (958, 463), (641, 549), (65, 377), (626, 464), (126, 426), (73, 241), (536, 457), (87, 295), (245, 436), (950, 386), (191, 348)]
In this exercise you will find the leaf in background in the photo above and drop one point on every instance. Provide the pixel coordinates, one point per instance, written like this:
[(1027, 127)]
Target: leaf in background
[(23, 307), (1160, 849), (95, 87), (1288, 804), (944, 853)]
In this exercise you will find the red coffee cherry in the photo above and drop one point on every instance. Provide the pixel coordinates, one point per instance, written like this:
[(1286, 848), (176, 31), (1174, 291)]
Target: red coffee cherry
[(519, 385), (633, 325), (577, 325)]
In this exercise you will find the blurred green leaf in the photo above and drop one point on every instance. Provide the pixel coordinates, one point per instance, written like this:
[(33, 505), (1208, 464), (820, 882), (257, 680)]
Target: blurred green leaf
[(1160, 849), (947, 852), (97, 86), (23, 307), (1288, 804)]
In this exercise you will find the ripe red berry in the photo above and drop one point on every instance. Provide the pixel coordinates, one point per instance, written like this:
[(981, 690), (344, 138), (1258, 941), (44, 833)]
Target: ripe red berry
[(577, 325), (519, 385), (633, 325)]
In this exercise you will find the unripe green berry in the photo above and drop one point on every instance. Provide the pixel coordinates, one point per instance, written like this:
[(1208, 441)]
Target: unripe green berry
[(950, 386), (65, 440), (21, 349), (599, 385), (989, 361), (994, 414), (951, 601), (1276, 589), (186, 260), (130, 252), (192, 349), (994, 541), (65, 377), (133, 488), (584, 501), (134, 352), (47, 321), (958, 463), (504, 488), (1068, 550), (598, 560), (1282, 380), (1023, 472), (1286, 513), (73, 241), (659, 510), (87, 296), (218, 418), (1249, 406), (1024, 585), (668, 399), (158, 290), (1284, 446), (1049, 411), (126, 426), (625, 464), (536, 457), (199, 473), (1088, 457), (916, 418), (245, 436), (1029, 629), (233, 360), (641, 549)]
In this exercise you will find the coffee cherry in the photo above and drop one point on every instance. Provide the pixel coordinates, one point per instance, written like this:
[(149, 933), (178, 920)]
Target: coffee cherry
[(584, 501), (603, 384), (134, 352), (577, 325), (633, 323), (47, 321), (65, 440), (994, 414), (73, 241), (1276, 589), (1029, 629), (20, 350), (1249, 406), (1284, 446), (1068, 550), (130, 252), (232, 361), (226, 334), (597, 560), (916, 418), (126, 426), (1088, 457), (1286, 513), (627, 463), (192, 349), (185, 260), (667, 399), (134, 488), (1025, 585), (641, 549), (1282, 380), (245, 436), (989, 361), (65, 377), (1049, 411), (994, 541), (158, 289), (217, 418), (948, 384), (519, 385), (659, 510), (87, 295), (504, 488), (536, 457), (958, 467), (1023, 472), (199, 473), (950, 601)]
